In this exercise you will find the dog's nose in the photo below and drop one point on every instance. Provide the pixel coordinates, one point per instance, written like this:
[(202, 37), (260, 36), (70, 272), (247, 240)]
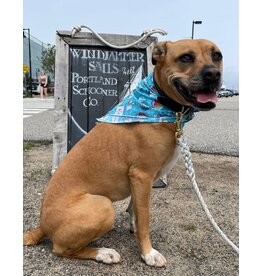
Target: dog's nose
[(211, 73)]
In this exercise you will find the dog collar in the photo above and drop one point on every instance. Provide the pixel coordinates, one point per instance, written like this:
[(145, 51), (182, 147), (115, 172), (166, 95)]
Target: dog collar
[(143, 105), (168, 102)]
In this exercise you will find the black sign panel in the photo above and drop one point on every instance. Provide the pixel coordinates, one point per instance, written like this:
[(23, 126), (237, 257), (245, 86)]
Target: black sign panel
[(99, 78)]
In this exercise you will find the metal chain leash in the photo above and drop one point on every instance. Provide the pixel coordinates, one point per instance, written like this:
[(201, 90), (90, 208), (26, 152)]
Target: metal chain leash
[(182, 142)]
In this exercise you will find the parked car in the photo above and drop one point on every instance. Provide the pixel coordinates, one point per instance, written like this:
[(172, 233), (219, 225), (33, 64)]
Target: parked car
[(230, 93), (51, 88), (34, 86), (222, 93), (235, 92), (225, 93)]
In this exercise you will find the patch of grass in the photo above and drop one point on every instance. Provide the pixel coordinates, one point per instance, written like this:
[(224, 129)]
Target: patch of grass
[(28, 146), (190, 227)]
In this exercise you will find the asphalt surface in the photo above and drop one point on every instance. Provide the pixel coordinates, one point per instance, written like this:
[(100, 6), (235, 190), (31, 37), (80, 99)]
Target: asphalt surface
[(215, 131), (39, 126)]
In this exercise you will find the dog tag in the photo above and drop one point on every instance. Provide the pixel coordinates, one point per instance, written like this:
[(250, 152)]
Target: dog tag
[(179, 131)]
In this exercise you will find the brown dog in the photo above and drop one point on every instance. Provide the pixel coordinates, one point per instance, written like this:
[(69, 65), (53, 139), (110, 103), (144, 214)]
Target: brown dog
[(77, 205)]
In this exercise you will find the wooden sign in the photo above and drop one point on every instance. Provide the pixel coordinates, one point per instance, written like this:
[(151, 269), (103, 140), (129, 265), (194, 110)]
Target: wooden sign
[(90, 79), (99, 78)]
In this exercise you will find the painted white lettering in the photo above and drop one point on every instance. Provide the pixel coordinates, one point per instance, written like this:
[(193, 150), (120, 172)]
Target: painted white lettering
[(108, 55), (93, 91), (74, 76), (75, 52), (75, 89), (92, 66), (90, 102), (105, 68)]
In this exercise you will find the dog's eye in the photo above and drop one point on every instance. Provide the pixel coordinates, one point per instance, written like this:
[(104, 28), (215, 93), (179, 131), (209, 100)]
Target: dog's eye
[(187, 58), (217, 56)]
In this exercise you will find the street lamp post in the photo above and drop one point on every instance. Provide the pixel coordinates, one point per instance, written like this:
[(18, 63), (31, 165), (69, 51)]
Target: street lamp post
[(30, 64), (193, 23)]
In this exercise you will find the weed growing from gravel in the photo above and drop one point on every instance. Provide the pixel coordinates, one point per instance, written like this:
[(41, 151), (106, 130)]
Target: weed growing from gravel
[(190, 227), (28, 146)]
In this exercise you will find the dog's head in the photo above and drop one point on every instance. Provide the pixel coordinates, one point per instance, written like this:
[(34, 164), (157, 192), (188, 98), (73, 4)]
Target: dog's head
[(189, 71)]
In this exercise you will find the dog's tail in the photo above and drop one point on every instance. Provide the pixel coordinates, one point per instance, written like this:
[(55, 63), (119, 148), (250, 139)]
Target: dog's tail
[(33, 237)]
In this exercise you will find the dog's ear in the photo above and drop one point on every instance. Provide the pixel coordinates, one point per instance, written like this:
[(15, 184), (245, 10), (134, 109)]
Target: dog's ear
[(159, 50)]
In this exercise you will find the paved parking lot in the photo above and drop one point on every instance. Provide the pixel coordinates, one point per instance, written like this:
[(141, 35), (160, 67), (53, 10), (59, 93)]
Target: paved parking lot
[(38, 120), (32, 106), (216, 131)]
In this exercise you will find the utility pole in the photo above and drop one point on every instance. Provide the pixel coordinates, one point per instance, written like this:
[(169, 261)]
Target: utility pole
[(30, 63)]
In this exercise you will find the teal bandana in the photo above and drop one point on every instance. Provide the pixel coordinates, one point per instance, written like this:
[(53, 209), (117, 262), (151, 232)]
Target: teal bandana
[(142, 105)]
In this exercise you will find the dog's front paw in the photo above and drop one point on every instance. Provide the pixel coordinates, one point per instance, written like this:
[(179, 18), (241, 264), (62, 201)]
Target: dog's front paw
[(107, 256), (154, 258)]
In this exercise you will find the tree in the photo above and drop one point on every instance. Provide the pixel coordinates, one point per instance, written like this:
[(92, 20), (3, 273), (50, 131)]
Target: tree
[(48, 59), (26, 78)]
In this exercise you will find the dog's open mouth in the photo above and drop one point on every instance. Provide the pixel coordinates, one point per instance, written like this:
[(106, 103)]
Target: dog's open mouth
[(202, 99)]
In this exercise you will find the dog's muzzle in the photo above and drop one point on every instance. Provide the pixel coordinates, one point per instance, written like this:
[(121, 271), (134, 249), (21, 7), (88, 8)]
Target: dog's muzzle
[(201, 92)]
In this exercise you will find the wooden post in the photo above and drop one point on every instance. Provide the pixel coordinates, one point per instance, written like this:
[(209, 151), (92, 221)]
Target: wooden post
[(61, 102)]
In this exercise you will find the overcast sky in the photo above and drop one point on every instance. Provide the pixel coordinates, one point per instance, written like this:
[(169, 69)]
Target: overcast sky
[(219, 21)]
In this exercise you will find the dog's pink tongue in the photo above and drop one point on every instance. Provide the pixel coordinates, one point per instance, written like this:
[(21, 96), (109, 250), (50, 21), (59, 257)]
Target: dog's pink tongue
[(204, 97)]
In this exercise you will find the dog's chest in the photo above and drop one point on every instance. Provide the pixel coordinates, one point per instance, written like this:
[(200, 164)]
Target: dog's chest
[(171, 163)]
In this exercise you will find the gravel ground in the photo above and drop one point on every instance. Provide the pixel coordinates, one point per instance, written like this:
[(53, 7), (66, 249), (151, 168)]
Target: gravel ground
[(179, 227)]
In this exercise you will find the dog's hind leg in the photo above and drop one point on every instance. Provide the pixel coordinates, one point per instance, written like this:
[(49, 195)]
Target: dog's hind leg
[(86, 220), (105, 255)]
